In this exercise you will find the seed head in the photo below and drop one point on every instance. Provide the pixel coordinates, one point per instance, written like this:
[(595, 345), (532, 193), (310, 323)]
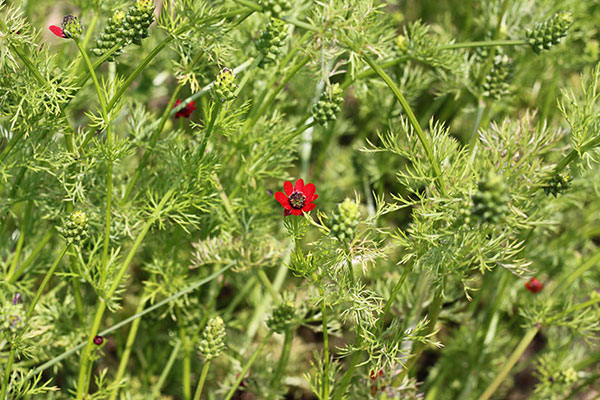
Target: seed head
[(212, 342)]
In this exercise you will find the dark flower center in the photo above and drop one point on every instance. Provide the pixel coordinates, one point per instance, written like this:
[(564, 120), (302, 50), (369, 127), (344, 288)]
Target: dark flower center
[(297, 200)]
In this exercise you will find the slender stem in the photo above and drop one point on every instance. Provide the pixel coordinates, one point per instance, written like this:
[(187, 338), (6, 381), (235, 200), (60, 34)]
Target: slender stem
[(277, 90), (138, 70), (325, 388), (488, 43), (482, 114), (16, 256), (38, 294), (202, 380), (561, 285), (413, 121), (573, 309), (82, 384), (433, 314), (31, 258), (390, 301), (186, 370), (514, 357), (165, 373), (267, 284), (247, 366), (340, 391), (99, 91), (45, 281), (7, 372), (283, 359), (126, 321), (128, 346), (214, 115)]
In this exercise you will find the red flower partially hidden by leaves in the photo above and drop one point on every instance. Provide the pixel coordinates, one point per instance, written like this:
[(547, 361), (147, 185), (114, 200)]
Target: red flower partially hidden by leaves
[(297, 199), (57, 30), (534, 286), (98, 340), (185, 111)]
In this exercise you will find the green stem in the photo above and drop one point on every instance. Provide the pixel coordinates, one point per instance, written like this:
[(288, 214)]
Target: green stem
[(283, 359), (514, 357), (7, 372), (16, 256), (339, 393), (488, 43), (186, 369), (31, 258), (209, 129), (390, 301), (413, 121), (433, 314), (165, 373), (325, 388), (572, 309), (247, 366), (38, 294), (267, 284), (128, 346), (561, 285), (82, 382), (202, 380), (261, 111), (45, 281)]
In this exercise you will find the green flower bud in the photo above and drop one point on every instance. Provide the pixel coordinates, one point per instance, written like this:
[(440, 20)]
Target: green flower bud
[(343, 223), (224, 86), (490, 202), (213, 337), (137, 21), (276, 7), (111, 36), (271, 41), (329, 105), (76, 228), (496, 84), (282, 317), (558, 184), (550, 32), (72, 27)]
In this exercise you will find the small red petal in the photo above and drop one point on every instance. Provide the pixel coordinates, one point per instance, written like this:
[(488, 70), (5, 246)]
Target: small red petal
[(178, 102), (287, 186), (283, 200), (287, 212), (309, 190), (299, 187), (309, 207), (57, 30), (296, 211), (313, 198)]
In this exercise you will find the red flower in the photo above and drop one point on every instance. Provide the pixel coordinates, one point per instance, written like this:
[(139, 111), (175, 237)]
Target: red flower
[(534, 285), (98, 340), (57, 30), (297, 199), (185, 111)]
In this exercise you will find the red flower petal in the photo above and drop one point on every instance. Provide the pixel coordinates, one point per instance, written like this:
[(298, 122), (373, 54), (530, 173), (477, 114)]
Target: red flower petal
[(299, 185), (287, 186), (296, 211), (283, 200), (309, 207), (57, 30), (310, 199), (309, 190)]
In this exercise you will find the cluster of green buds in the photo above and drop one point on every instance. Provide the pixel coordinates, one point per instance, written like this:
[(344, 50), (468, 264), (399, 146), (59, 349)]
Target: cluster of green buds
[(550, 32), (137, 21), (72, 27), (276, 7), (212, 342), (558, 184), (344, 222), (271, 41), (76, 228), (224, 87), (111, 36), (282, 317), (126, 28), (490, 202), (329, 105), (496, 84)]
